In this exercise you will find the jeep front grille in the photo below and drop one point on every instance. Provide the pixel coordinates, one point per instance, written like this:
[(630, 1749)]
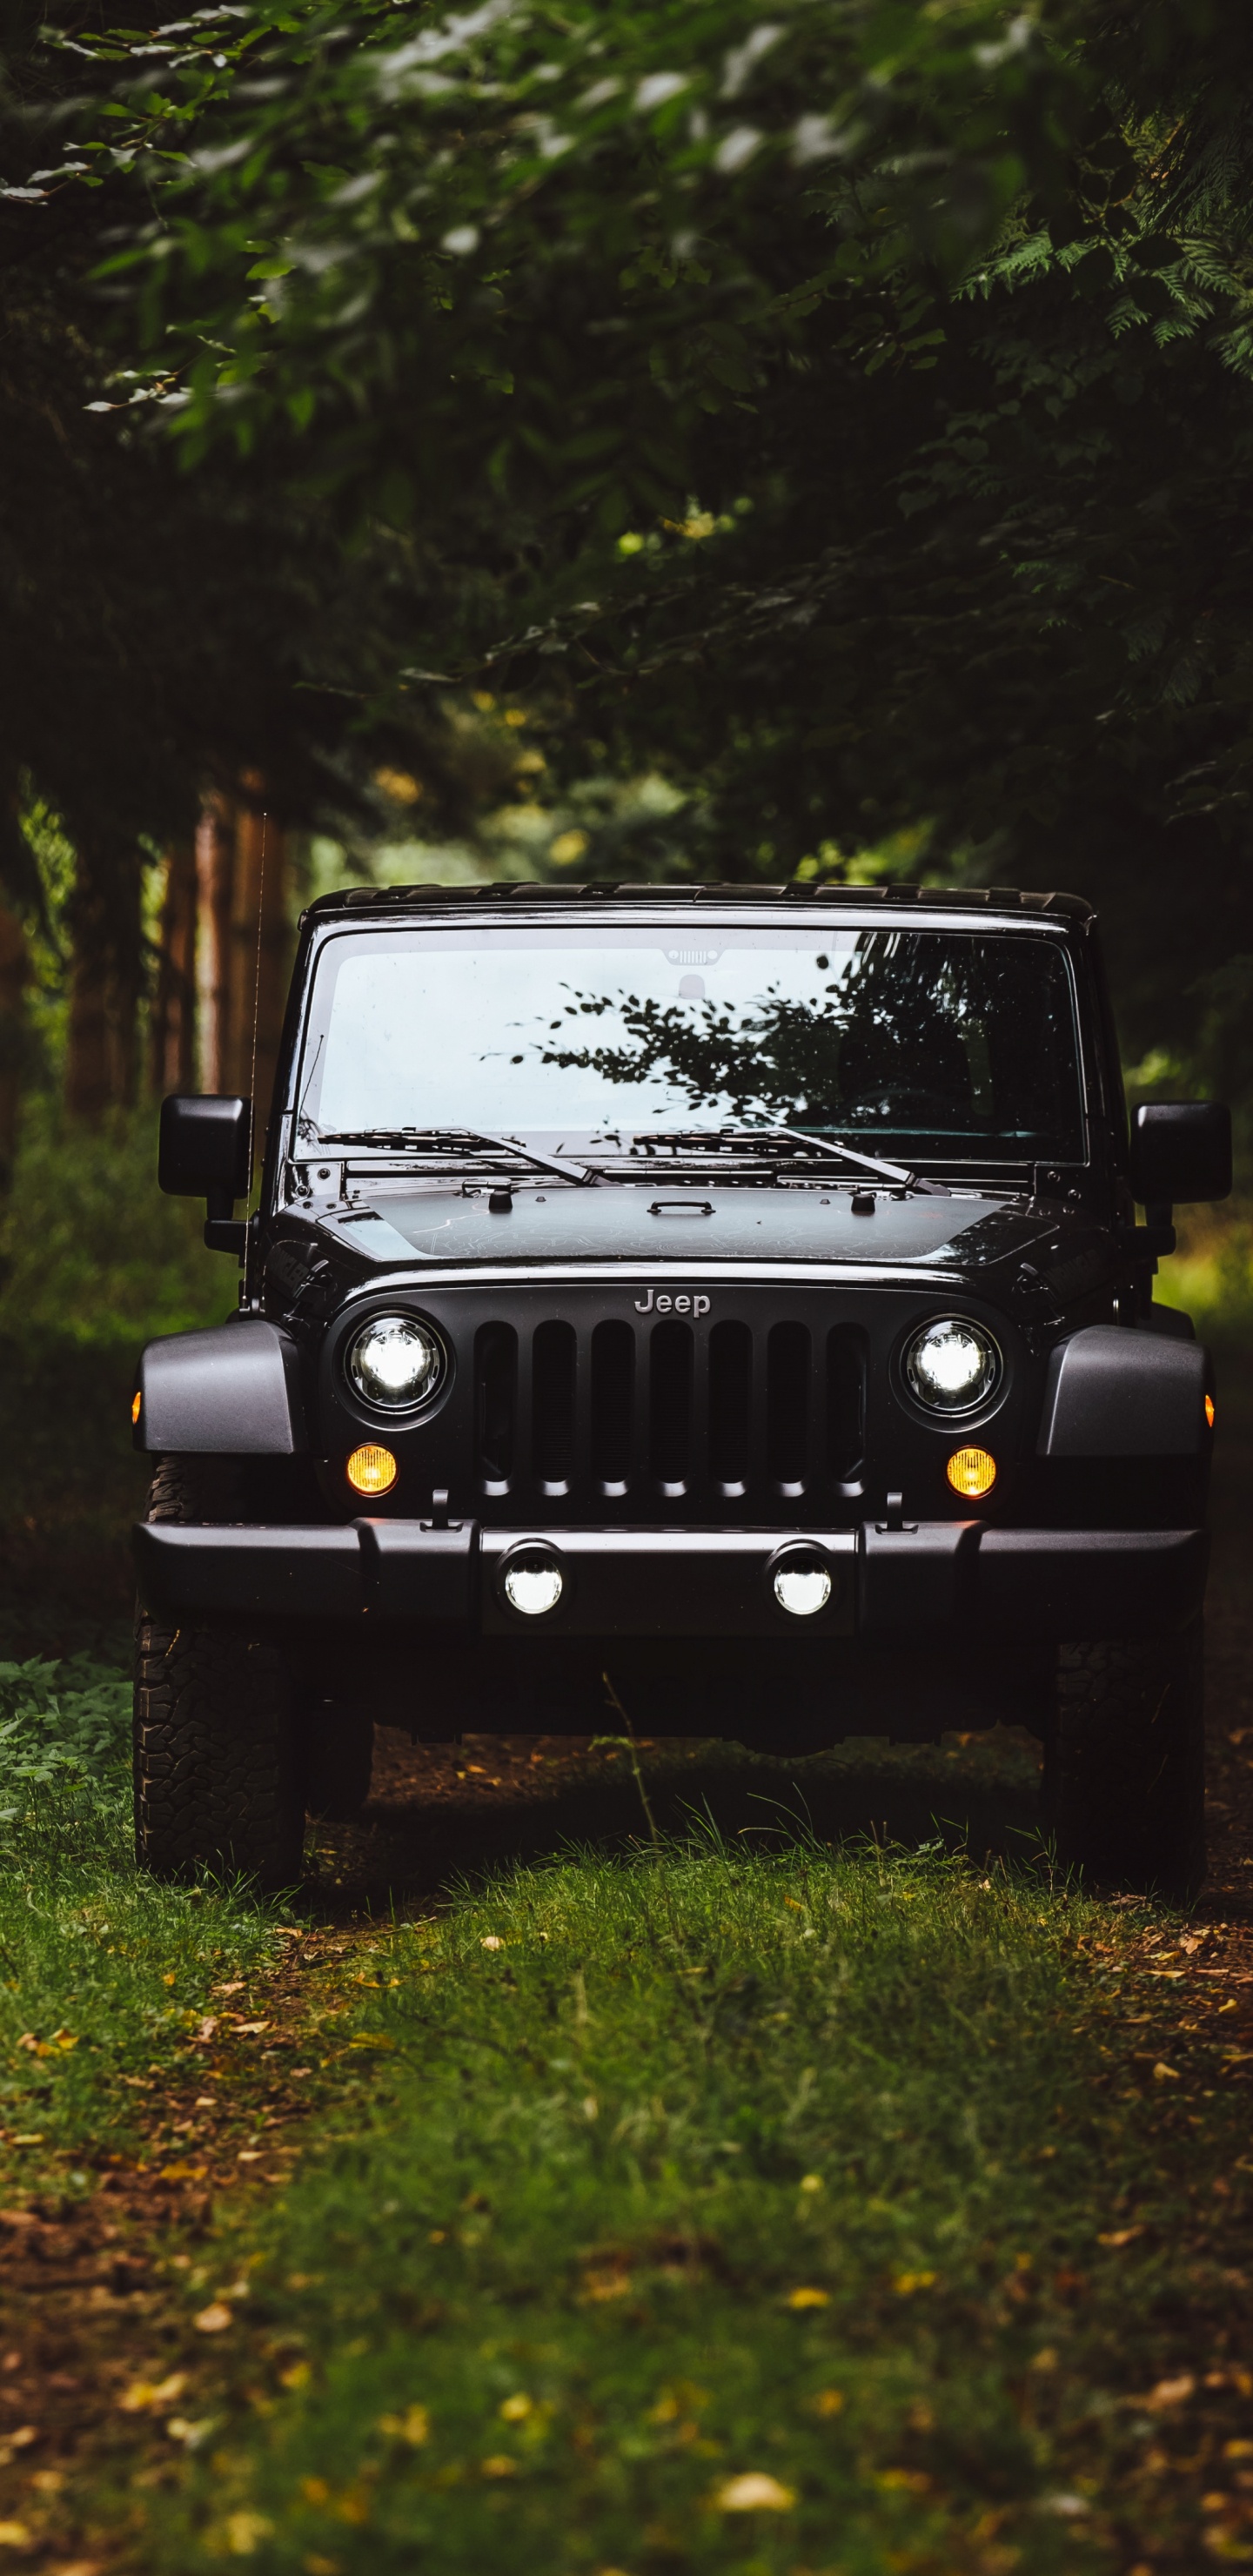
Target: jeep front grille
[(664, 1416)]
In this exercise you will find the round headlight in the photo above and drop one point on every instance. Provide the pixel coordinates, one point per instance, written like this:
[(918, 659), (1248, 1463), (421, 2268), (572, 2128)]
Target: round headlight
[(395, 1363), (952, 1365)]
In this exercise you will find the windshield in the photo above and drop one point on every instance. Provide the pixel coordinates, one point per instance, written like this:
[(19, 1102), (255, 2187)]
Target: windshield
[(945, 1044)]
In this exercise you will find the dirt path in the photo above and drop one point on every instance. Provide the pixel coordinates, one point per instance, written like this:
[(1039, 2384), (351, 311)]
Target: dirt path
[(94, 2344)]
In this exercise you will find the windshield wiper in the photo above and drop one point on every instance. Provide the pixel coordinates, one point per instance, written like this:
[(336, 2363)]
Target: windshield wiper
[(729, 1139), (407, 1139), (893, 1172)]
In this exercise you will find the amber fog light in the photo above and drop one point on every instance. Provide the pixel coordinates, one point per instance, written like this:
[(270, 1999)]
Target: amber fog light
[(371, 1470), (971, 1473)]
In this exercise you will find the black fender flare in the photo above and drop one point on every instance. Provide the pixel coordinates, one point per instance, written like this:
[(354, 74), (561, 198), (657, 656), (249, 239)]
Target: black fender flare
[(232, 1389), (1111, 1392)]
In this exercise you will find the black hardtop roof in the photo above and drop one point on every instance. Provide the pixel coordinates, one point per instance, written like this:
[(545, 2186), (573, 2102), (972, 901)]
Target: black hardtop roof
[(595, 892)]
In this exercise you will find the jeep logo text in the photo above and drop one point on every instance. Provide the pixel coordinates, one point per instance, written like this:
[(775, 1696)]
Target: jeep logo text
[(680, 1305)]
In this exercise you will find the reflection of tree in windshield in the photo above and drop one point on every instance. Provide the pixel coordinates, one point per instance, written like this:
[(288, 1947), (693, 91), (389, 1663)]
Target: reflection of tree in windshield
[(922, 1034)]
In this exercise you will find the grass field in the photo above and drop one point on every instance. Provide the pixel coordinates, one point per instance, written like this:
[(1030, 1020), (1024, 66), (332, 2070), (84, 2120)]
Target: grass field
[(798, 2210), (760, 2205)]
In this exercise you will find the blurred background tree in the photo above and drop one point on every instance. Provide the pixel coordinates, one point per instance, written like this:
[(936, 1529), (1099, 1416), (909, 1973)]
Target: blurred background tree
[(647, 441)]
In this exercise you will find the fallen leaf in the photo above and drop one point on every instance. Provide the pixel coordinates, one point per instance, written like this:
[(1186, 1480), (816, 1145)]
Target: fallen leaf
[(14, 2535), (248, 2030), (413, 2426), (182, 2173), (214, 2319), (1120, 2236), (491, 1941), (23, 2438), (1170, 2392), (807, 2298), (829, 2401), (144, 2393), (754, 2492), (907, 2282), (499, 2466), (1164, 2074), (515, 2409), (207, 2027), (18, 2217), (245, 2531), (236, 1987)]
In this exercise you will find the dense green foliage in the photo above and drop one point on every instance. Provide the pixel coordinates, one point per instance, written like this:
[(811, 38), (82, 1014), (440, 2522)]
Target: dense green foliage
[(846, 413)]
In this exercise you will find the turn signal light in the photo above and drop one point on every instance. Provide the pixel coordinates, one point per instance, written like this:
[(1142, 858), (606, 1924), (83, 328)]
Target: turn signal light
[(137, 1403), (971, 1473), (1209, 1411), (371, 1470)]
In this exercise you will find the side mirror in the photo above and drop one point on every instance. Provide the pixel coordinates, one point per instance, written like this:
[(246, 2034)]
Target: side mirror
[(1180, 1150), (206, 1152)]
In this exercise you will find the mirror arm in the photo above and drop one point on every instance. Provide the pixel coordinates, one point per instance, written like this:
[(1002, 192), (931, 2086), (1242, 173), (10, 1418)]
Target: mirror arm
[(223, 1231)]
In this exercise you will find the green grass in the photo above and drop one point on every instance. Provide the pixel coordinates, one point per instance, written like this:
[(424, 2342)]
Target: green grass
[(638, 2179), (101, 1971)]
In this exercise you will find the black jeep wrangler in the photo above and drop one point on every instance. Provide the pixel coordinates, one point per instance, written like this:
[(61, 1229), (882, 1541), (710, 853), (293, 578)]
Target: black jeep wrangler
[(730, 1295)]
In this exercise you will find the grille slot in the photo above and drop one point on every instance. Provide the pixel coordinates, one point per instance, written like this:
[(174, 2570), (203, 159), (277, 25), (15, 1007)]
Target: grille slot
[(730, 1401), (670, 1408), (495, 1405), (554, 1358), (787, 1407), (846, 1405), (613, 1397)]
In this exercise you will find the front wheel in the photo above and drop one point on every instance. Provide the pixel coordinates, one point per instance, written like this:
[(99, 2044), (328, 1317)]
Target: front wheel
[(218, 1766), (1124, 1764)]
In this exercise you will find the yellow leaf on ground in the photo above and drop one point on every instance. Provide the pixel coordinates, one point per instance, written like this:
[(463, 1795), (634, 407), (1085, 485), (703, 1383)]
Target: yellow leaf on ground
[(809, 2298), (214, 2319), (829, 2401), (754, 2492), (1120, 2236), (1164, 2074), (182, 2173), (245, 2532), (907, 2282), (1170, 2392), (413, 2426), (144, 2393), (14, 2535), (500, 2466)]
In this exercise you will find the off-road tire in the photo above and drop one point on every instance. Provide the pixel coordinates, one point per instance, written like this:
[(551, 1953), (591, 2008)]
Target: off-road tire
[(1124, 1764), (339, 1755), (217, 1758)]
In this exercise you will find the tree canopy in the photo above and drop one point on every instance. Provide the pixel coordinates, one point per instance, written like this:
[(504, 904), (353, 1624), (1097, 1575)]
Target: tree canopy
[(846, 412)]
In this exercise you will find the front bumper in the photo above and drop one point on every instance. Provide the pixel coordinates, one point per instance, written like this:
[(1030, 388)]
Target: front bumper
[(956, 1578)]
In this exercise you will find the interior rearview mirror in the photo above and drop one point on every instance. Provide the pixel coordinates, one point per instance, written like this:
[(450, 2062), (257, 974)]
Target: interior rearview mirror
[(1180, 1150), (205, 1152)]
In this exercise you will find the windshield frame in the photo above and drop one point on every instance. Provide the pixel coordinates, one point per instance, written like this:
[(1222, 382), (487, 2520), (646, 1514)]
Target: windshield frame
[(512, 910)]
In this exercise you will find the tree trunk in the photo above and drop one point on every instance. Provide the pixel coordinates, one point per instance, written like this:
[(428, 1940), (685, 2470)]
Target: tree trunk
[(259, 954), (215, 878), (104, 983), (172, 1027), (14, 977)]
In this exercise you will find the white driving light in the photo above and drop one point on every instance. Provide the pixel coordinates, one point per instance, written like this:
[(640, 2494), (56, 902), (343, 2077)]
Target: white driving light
[(952, 1365), (395, 1362), (533, 1584), (802, 1584)]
